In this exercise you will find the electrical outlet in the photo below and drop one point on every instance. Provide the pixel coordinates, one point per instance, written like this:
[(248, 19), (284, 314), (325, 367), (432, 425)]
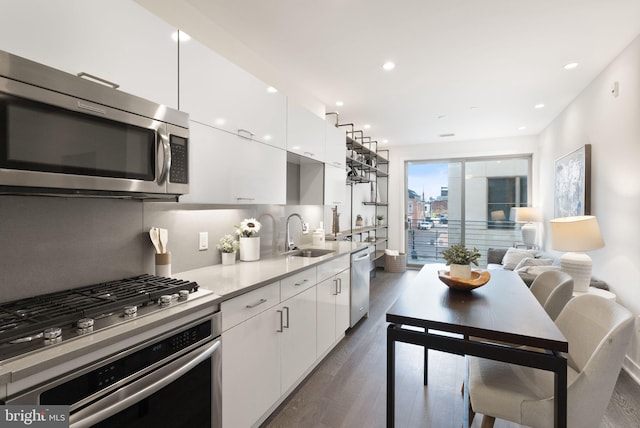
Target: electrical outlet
[(305, 228), (203, 241), (615, 89)]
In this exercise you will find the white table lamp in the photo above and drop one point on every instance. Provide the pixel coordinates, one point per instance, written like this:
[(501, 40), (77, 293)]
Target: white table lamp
[(528, 215), (576, 235)]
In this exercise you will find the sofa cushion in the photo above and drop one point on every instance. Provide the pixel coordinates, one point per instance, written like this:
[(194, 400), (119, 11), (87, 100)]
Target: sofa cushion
[(513, 256), (530, 261)]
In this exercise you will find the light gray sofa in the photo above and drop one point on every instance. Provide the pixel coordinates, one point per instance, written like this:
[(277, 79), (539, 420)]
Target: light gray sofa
[(495, 256)]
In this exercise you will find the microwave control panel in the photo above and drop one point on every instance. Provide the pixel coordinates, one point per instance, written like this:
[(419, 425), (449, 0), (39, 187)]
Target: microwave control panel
[(179, 172)]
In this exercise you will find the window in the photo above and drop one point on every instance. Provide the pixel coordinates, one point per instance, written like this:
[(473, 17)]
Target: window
[(504, 193)]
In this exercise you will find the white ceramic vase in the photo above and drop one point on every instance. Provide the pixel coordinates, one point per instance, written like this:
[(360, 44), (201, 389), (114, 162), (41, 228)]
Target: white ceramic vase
[(249, 248), (228, 258), (460, 271)]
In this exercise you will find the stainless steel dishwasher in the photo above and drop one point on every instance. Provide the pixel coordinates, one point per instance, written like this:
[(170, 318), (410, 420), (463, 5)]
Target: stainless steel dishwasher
[(360, 274)]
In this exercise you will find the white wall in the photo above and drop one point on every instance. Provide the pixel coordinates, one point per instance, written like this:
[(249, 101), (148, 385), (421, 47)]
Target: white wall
[(445, 151), (612, 127)]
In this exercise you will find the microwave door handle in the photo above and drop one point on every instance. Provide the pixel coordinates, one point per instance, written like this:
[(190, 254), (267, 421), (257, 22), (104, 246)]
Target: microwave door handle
[(137, 391), (166, 162)]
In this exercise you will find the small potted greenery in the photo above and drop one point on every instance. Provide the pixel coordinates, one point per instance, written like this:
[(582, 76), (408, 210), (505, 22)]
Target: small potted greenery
[(460, 258), (380, 219), (359, 221), (228, 247)]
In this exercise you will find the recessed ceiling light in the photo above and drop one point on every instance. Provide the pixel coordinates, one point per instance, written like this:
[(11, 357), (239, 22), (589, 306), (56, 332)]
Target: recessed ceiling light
[(474, 108), (339, 103), (522, 128), (267, 137), (366, 126), (389, 65), (449, 134), (220, 121), (385, 141), (539, 106), (442, 116), (272, 90), (296, 147), (571, 66)]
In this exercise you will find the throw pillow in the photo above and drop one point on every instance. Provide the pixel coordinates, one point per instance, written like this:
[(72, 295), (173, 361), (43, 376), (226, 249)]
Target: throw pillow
[(537, 270), (530, 261), (513, 256)]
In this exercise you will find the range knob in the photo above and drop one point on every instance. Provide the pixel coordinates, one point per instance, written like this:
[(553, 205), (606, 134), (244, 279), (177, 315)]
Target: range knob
[(52, 335), (130, 311), (165, 300), (183, 294), (84, 325)]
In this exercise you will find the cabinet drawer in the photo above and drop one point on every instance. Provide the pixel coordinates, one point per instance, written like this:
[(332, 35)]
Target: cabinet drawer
[(333, 267), (297, 283), (241, 308)]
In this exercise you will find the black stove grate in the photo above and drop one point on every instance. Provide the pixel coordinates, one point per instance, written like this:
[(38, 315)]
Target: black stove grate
[(26, 317)]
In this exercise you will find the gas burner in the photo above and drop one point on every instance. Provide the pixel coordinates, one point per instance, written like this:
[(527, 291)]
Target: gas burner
[(32, 323)]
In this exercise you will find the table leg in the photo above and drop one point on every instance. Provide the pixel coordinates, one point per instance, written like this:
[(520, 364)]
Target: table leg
[(560, 402), (391, 377), (426, 362)]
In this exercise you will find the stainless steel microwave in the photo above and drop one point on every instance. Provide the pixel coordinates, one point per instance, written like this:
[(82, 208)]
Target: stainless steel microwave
[(63, 134)]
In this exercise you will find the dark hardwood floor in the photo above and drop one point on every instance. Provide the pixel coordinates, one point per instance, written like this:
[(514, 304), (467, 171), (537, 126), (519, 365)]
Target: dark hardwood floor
[(348, 389)]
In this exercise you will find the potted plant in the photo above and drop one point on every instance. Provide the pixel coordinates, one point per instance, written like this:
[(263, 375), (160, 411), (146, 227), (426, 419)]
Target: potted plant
[(358, 220), (460, 258), (228, 247), (380, 219), (249, 239)]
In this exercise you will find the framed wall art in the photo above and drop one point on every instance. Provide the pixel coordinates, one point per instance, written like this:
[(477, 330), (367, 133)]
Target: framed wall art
[(573, 183)]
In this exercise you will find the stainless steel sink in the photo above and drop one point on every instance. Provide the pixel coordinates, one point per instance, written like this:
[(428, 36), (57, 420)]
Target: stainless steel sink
[(312, 252)]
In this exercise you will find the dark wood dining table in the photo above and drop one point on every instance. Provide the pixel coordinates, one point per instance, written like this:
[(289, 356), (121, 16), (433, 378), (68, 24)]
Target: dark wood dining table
[(471, 323)]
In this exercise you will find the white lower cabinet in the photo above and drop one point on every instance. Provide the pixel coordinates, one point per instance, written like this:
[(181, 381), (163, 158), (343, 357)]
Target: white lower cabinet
[(250, 370), (332, 310), (298, 338)]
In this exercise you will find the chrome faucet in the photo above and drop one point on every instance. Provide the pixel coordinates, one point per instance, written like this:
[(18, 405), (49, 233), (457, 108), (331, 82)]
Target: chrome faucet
[(289, 244)]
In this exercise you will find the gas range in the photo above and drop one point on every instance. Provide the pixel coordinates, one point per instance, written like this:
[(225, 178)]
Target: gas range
[(37, 323)]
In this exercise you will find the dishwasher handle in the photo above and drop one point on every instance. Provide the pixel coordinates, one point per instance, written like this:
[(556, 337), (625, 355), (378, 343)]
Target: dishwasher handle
[(362, 258)]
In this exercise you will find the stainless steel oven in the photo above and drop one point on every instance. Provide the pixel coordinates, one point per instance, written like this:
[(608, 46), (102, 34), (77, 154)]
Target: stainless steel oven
[(160, 366), (61, 133)]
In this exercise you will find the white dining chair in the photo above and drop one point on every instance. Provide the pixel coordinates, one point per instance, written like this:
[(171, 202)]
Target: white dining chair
[(598, 332), (553, 289)]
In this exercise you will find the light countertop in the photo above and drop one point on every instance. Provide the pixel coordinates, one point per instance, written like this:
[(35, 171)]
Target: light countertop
[(229, 281)]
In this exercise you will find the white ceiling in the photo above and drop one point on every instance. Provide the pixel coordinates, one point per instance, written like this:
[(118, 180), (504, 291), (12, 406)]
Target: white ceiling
[(500, 56)]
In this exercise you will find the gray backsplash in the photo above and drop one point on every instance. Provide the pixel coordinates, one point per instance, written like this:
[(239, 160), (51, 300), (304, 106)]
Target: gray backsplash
[(55, 243)]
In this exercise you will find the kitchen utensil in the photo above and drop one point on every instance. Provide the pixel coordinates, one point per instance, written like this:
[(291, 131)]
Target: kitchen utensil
[(155, 238), (164, 239)]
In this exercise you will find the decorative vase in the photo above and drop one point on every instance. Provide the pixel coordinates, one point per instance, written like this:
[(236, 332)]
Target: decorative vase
[(228, 258), (460, 271), (380, 222), (249, 248)]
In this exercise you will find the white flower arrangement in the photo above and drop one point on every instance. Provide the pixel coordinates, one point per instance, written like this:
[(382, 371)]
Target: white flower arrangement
[(248, 228), (228, 244)]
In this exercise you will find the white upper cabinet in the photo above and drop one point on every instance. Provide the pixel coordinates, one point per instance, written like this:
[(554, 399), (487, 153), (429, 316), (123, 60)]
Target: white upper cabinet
[(305, 132), (228, 169), (335, 192), (116, 40), (335, 144), (216, 92)]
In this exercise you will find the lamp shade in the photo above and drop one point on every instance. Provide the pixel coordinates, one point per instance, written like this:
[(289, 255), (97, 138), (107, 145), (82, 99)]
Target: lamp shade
[(576, 234), (527, 215)]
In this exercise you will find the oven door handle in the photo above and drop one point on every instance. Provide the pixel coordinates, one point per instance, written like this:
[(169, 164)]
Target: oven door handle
[(140, 389)]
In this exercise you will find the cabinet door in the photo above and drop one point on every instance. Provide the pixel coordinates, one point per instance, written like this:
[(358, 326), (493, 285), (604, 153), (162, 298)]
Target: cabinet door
[(305, 132), (250, 369), (116, 40), (218, 93), (228, 169), (327, 291), (335, 189), (335, 145), (342, 302), (298, 340)]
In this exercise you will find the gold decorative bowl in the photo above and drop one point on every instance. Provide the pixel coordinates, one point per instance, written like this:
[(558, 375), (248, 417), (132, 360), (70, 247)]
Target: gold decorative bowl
[(478, 279)]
